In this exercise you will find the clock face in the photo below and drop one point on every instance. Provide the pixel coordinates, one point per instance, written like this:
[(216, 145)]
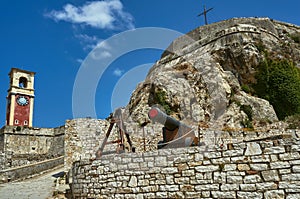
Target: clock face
[(22, 101)]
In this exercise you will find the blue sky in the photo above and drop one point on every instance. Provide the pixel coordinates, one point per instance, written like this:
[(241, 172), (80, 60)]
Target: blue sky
[(53, 38)]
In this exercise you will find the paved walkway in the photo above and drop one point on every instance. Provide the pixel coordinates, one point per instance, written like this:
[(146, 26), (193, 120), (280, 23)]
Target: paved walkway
[(40, 187)]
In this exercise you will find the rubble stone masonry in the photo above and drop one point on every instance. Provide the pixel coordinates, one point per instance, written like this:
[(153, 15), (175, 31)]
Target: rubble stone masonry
[(249, 165)]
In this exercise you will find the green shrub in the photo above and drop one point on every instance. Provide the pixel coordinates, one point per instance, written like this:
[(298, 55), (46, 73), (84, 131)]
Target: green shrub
[(247, 124), (248, 110), (246, 88), (278, 81), (293, 121), (160, 98), (260, 47), (296, 38)]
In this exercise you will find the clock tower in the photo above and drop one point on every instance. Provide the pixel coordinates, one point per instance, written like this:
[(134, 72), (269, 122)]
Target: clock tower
[(20, 98)]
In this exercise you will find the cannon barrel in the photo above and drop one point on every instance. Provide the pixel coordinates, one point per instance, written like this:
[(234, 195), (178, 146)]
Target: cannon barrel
[(175, 133), (156, 115)]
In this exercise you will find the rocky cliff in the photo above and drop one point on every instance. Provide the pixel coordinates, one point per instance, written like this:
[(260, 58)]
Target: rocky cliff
[(201, 77)]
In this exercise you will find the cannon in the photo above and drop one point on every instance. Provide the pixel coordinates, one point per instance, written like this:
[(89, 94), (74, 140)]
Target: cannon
[(175, 133)]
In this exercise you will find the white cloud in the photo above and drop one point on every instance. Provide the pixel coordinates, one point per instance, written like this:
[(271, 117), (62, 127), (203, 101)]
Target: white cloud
[(106, 14), (88, 42), (100, 54), (118, 72), (79, 60)]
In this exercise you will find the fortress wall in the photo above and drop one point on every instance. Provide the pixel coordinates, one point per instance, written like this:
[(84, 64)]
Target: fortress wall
[(28, 170), (2, 161), (83, 138), (1, 141), (24, 146), (205, 34), (237, 165)]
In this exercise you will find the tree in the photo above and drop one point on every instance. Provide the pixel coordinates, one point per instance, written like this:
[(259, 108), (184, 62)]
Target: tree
[(278, 81)]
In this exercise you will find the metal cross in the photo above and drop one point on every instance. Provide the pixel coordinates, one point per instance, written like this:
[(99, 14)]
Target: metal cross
[(204, 13)]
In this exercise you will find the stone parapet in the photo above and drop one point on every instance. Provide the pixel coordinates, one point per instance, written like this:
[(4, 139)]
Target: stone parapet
[(29, 170), (255, 166)]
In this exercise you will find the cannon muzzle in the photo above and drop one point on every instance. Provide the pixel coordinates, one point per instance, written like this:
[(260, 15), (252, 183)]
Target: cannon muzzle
[(175, 133), (156, 115)]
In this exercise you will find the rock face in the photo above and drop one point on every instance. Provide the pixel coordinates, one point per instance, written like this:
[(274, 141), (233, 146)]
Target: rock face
[(199, 78)]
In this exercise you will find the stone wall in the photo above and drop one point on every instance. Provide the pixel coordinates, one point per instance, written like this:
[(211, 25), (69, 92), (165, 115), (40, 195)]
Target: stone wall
[(30, 145), (83, 138), (2, 161), (1, 140), (205, 34), (25, 171), (230, 165)]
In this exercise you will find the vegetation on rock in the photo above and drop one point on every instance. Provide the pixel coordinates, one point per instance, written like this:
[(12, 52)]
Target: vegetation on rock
[(278, 81), (160, 98)]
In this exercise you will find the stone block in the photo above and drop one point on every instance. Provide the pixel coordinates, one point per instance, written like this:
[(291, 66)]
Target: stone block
[(274, 150), (133, 166), (235, 173), (295, 148), (169, 170), (144, 182), (219, 177), (260, 158), (161, 161), (292, 190), (205, 194), (248, 187), (229, 187), (192, 194), (198, 157), (291, 177), (294, 162), (243, 167), (284, 171), (293, 196), (274, 158), (240, 159), (208, 168), (253, 148), (221, 160), (223, 194), (266, 186), (229, 167), (274, 194), (247, 195), (167, 188), (289, 185), (231, 153), (150, 188), (279, 165), (289, 156), (182, 180), (170, 179), (207, 187), (270, 175), (177, 194), (296, 169), (259, 167), (161, 195), (250, 179), (188, 173), (187, 187), (211, 155), (234, 179), (133, 181)]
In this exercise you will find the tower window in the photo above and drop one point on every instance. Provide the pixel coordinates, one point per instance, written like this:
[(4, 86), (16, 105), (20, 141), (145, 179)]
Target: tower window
[(23, 82), (25, 122), (16, 121)]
